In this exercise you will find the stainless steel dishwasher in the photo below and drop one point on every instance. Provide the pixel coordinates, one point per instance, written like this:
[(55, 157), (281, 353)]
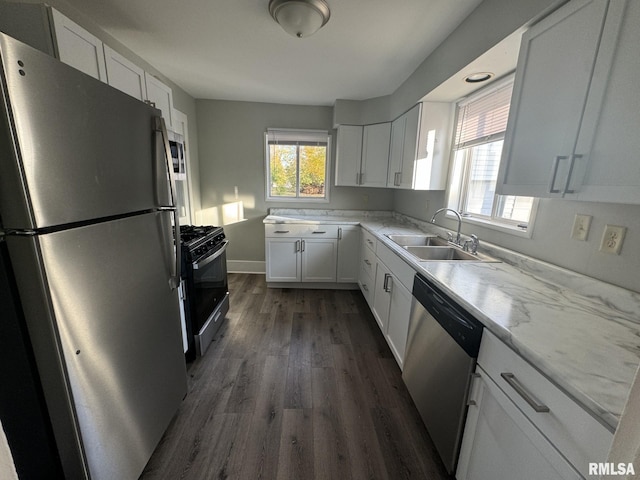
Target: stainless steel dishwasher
[(442, 348)]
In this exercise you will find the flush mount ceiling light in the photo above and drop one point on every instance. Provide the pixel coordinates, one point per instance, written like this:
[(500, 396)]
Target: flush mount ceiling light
[(478, 77), (300, 18)]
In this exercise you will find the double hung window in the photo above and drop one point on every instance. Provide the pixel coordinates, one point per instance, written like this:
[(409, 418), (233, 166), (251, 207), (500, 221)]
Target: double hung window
[(297, 164), (479, 136)]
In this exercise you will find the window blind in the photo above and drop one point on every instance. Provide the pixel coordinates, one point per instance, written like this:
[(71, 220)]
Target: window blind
[(282, 136), (482, 118)]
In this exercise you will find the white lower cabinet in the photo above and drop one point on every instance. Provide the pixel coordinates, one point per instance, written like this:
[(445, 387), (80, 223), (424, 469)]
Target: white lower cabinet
[(391, 305), (500, 443), (521, 426), (301, 260), (348, 253), (283, 260), (304, 252)]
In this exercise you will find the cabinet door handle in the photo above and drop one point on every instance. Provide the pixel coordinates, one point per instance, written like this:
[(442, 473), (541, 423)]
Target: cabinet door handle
[(574, 157), (281, 231), (364, 286), (474, 375), (339, 233), (511, 379), (302, 249), (297, 245), (369, 242), (386, 287), (398, 179), (556, 164), (367, 262)]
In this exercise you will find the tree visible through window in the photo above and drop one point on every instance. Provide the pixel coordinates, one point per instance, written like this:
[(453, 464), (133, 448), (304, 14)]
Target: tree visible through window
[(298, 164)]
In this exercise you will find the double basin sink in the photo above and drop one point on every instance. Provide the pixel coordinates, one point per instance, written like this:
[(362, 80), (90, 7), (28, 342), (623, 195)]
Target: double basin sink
[(429, 248)]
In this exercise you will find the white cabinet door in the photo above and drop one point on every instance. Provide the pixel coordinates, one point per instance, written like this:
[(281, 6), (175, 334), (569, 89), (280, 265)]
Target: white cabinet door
[(348, 155), (409, 144), (553, 75), (282, 259), (500, 443), (382, 297), (79, 48), (348, 253), (124, 75), (162, 96), (396, 151), (319, 256), (399, 315), (375, 154), (606, 165)]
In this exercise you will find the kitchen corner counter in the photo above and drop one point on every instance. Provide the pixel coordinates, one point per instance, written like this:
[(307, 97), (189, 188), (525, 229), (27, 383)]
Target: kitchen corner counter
[(582, 334)]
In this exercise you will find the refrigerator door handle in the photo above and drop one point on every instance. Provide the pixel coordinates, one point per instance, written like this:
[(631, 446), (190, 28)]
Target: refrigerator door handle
[(160, 127)]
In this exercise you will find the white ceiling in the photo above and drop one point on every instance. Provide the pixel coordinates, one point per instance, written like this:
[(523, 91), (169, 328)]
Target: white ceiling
[(233, 50)]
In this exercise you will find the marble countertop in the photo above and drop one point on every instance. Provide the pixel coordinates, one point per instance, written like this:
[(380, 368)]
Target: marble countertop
[(582, 334)]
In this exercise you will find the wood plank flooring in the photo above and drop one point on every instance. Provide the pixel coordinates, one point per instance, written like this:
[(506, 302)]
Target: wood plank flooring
[(298, 384)]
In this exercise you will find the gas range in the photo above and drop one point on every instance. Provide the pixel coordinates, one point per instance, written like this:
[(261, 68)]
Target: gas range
[(205, 287), (198, 240)]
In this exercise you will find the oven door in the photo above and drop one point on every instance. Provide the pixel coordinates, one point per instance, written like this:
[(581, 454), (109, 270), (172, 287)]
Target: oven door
[(209, 298)]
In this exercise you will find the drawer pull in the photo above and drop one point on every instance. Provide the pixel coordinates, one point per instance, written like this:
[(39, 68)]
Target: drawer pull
[(369, 242), (511, 379), (281, 231), (318, 232), (364, 285), (367, 262)]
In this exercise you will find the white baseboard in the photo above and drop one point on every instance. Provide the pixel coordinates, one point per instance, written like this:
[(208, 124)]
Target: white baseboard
[(245, 266)]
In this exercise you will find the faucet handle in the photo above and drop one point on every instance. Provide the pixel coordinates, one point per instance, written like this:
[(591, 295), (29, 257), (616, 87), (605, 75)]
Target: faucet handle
[(474, 243), (450, 236)]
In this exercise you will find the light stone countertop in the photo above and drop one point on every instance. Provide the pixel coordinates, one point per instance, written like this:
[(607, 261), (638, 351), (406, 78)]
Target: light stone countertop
[(581, 333)]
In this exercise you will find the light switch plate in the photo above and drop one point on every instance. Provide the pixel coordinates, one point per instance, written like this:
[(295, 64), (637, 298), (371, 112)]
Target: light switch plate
[(612, 239), (580, 230)]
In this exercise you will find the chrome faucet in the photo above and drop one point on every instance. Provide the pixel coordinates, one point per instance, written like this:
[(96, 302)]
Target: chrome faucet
[(472, 245), (457, 242)]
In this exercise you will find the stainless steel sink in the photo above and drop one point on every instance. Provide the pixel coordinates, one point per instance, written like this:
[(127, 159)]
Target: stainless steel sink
[(418, 240), (434, 253)]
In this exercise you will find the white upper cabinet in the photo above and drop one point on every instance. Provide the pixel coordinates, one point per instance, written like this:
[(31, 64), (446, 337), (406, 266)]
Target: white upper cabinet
[(348, 155), (572, 128), (161, 95), (363, 155), (419, 155), (375, 154), (124, 75), (79, 48)]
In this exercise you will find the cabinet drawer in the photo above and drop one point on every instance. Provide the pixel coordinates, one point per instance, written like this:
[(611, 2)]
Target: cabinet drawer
[(400, 269), (368, 261), (369, 239), (573, 431), (300, 230), (367, 285)]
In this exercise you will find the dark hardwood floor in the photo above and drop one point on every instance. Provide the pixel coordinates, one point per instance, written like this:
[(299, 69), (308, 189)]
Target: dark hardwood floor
[(298, 384)]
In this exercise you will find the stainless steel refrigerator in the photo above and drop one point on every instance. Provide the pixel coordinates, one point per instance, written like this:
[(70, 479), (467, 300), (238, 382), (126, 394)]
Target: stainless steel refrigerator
[(93, 361)]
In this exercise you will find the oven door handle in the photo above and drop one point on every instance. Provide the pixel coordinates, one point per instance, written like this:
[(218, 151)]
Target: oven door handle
[(211, 258)]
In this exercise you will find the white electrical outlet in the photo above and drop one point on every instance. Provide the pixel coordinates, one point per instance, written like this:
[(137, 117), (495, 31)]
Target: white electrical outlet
[(612, 239), (581, 225)]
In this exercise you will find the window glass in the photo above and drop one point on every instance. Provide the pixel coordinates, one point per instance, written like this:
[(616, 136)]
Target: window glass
[(478, 141), (297, 164)]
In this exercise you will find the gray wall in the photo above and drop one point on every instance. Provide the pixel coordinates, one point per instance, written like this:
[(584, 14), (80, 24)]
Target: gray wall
[(232, 154), (551, 240)]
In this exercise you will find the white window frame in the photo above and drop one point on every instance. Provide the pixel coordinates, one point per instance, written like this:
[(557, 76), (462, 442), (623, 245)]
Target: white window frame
[(300, 135), (457, 190)]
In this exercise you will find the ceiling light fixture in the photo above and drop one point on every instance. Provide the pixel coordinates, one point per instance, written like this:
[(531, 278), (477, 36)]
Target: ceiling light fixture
[(478, 77), (300, 18)]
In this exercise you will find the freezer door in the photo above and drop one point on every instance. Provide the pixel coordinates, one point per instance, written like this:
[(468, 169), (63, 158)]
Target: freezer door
[(118, 326), (71, 147)]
